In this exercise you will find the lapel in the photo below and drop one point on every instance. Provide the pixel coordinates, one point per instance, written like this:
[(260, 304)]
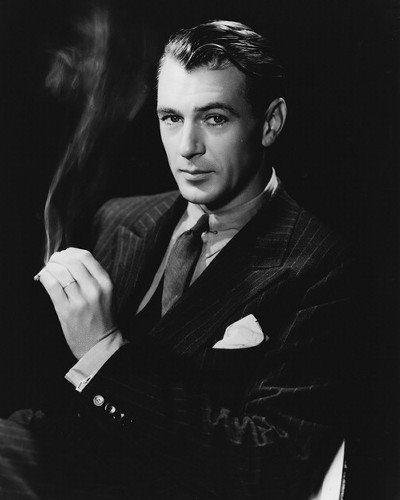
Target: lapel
[(138, 249), (248, 264)]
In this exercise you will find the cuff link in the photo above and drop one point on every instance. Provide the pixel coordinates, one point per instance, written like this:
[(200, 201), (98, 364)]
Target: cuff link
[(98, 400), (110, 409)]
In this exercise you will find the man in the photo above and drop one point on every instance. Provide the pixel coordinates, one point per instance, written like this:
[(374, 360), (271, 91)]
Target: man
[(212, 326)]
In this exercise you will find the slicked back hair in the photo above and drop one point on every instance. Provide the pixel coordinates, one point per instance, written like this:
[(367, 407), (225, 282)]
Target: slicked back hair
[(218, 44)]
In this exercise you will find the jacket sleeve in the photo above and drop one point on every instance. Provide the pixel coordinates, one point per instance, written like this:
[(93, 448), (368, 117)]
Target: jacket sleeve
[(259, 436)]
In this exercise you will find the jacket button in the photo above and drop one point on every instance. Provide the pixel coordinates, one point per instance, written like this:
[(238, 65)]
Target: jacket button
[(119, 416), (98, 400), (110, 409)]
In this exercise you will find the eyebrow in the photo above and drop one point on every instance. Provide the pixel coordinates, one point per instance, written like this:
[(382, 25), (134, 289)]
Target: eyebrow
[(202, 109)]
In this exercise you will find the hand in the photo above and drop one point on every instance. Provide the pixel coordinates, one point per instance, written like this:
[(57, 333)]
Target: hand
[(81, 292)]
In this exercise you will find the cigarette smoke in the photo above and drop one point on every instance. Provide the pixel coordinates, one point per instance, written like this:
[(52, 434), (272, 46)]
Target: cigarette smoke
[(105, 73)]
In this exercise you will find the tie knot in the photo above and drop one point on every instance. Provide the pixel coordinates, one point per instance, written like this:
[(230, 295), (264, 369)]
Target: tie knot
[(201, 225)]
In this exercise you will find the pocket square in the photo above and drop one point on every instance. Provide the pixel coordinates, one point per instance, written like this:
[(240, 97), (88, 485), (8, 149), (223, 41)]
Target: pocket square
[(243, 333)]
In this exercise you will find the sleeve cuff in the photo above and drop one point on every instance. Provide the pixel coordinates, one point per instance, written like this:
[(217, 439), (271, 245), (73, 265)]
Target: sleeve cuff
[(87, 367)]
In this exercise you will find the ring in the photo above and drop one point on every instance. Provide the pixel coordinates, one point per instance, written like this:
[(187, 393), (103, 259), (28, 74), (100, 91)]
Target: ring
[(70, 283)]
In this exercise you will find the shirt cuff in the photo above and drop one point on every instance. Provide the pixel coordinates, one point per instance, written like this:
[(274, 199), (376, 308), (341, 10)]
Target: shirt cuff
[(89, 364)]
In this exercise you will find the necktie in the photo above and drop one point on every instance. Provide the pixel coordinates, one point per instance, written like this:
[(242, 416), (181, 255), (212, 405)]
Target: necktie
[(182, 262)]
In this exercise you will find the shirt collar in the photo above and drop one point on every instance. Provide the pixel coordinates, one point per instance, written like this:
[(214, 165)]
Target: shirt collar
[(234, 217)]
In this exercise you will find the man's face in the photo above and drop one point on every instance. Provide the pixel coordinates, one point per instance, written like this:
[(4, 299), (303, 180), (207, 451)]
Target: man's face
[(210, 135)]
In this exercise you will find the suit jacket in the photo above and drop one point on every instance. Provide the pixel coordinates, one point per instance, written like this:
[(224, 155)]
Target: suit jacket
[(227, 423)]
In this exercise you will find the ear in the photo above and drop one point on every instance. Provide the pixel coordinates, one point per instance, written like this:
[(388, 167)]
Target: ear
[(274, 120)]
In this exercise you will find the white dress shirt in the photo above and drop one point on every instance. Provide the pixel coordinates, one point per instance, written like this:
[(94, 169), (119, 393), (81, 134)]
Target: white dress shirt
[(224, 224)]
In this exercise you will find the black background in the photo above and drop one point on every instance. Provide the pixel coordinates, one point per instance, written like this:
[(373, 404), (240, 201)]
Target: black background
[(338, 156)]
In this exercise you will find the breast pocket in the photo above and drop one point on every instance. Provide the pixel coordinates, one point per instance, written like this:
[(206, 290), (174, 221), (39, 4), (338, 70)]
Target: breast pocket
[(242, 334)]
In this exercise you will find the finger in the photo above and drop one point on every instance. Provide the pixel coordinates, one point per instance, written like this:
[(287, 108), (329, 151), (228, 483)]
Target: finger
[(60, 272), (73, 266), (88, 287), (66, 279), (90, 263), (54, 288)]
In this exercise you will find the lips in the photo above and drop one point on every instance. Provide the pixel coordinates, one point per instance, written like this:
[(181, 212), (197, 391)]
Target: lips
[(195, 176), (196, 172)]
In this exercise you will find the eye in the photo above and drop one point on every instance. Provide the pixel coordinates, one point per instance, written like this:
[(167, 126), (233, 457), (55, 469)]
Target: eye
[(171, 119), (216, 120)]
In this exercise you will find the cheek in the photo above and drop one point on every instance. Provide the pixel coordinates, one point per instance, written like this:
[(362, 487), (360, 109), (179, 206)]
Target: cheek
[(237, 155), (169, 147), (241, 142), (226, 147)]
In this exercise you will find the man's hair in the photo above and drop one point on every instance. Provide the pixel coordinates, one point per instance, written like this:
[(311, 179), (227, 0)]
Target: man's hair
[(218, 44)]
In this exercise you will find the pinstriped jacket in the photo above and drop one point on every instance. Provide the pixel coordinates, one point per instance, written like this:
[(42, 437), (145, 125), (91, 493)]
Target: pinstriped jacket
[(227, 423)]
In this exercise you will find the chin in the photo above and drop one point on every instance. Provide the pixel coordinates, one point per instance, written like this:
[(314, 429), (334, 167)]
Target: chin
[(196, 195)]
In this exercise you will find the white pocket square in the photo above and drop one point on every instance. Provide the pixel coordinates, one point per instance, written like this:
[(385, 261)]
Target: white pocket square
[(243, 333)]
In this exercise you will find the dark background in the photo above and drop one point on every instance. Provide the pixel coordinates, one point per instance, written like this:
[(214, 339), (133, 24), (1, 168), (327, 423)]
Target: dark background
[(338, 157)]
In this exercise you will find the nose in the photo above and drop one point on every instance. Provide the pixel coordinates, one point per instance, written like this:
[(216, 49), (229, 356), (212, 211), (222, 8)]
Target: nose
[(191, 142)]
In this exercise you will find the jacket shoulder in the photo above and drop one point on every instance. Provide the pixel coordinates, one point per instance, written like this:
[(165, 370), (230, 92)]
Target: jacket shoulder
[(313, 245), (314, 238)]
